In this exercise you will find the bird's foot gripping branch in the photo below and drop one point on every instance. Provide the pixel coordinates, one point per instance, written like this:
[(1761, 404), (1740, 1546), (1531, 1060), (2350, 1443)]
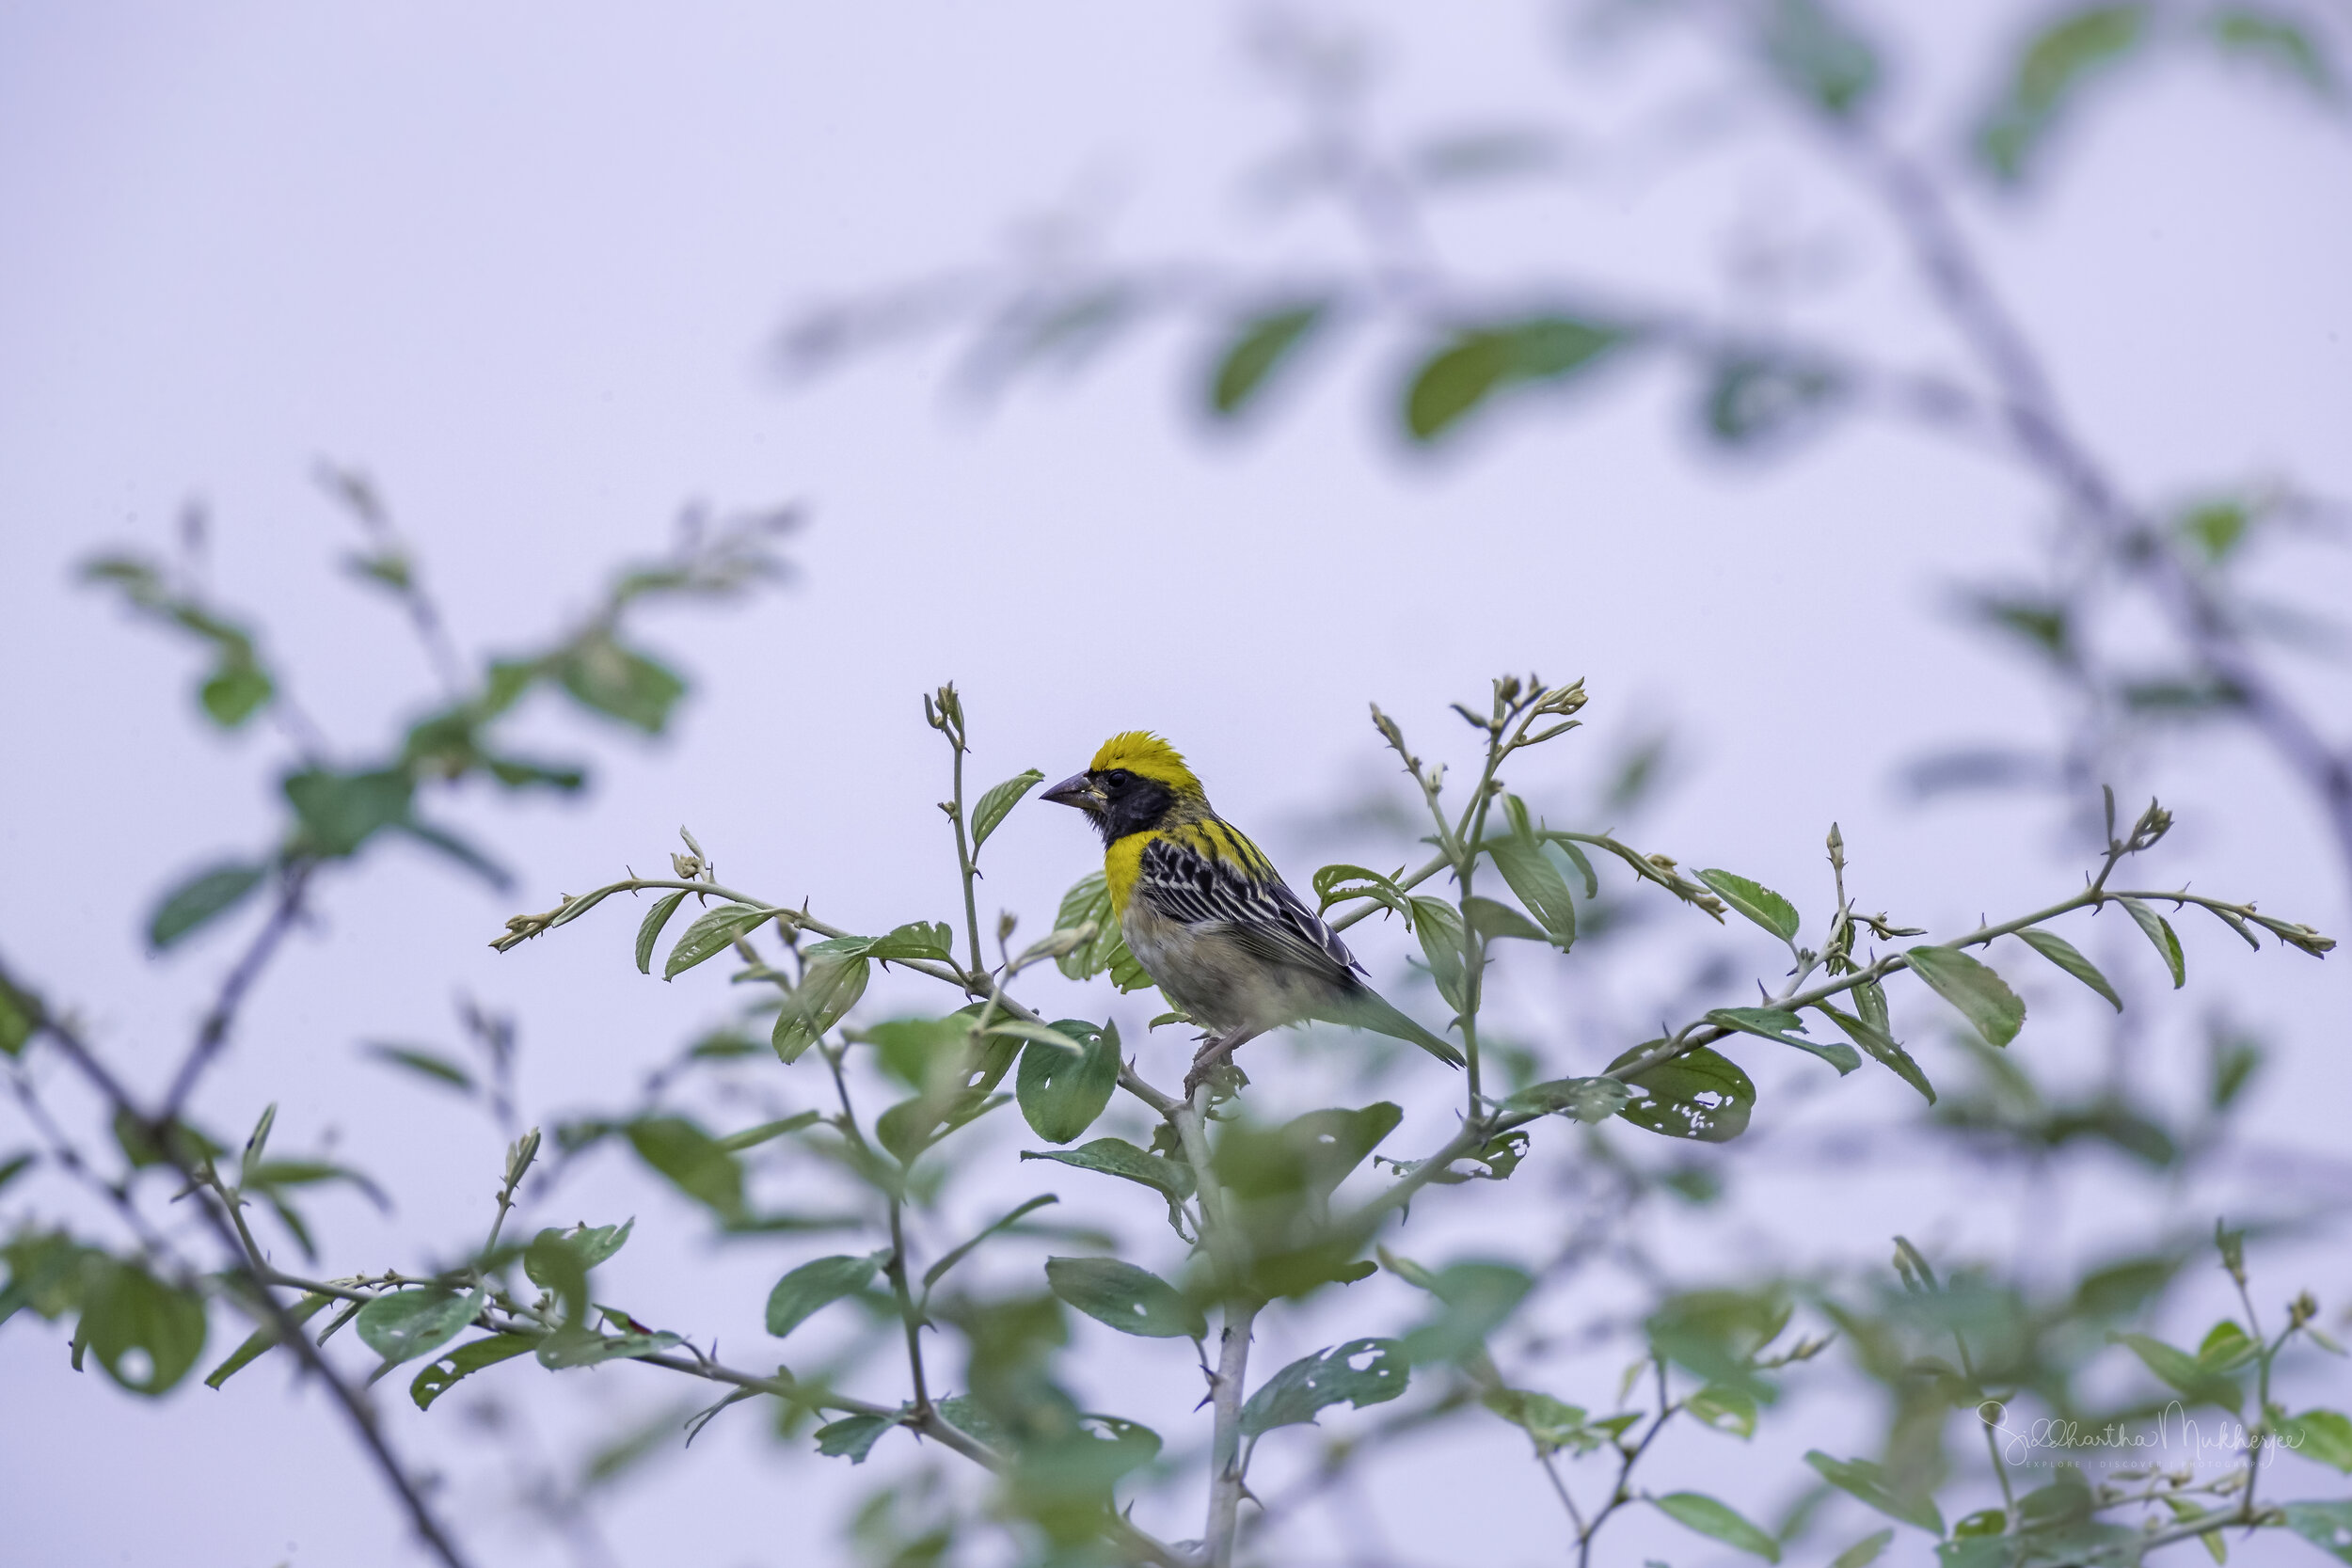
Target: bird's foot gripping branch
[(1257, 1208)]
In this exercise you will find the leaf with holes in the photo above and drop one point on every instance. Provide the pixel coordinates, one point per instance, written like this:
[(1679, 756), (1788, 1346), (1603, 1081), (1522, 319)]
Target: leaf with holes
[(1358, 1373), (147, 1334), (1982, 997), (1587, 1100), (1696, 1095), (2064, 954), (1131, 1300), (2160, 934)]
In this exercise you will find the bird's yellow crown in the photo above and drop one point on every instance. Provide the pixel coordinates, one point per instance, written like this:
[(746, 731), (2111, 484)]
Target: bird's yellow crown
[(1146, 756)]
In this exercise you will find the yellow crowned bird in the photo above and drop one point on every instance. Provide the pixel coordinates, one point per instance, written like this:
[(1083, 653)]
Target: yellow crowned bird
[(1206, 915)]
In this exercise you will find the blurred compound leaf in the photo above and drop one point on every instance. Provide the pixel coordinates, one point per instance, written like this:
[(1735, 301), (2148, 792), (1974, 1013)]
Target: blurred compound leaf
[(401, 1325), (2182, 1371), (1481, 361), (424, 1064), (1697, 1511), (811, 1287), (1358, 1373), (1718, 1334), (1818, 54), (620, 683), (2160, 934), (2327, 1526), (1982, 997), (1755, 400), (1778, 1024), (1478, 1298), (340, 812), (2276, 39), (1549, 1423), (692, 1161), (202, 899), (938, 1271), (998, 802), (1755, 900), (1061, 1095), (1865, 1480), (238, 686), (2067, 957), (1129, 1299), (558, 1256), (1724, 1408), (147, 1333), (2050, 72), (445, 1370), (2322, 1435), (1260, 347), (1310, 1154), (1864, 1552), (1696, 1095)]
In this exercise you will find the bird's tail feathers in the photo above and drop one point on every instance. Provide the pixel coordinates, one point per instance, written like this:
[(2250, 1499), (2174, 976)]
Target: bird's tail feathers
[(1368, 1009)]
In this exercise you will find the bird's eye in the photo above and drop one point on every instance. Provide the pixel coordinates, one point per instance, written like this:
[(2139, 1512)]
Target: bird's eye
[(1118, 776)]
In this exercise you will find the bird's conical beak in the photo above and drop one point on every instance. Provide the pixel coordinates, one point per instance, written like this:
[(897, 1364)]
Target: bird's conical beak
[(1078, 791)]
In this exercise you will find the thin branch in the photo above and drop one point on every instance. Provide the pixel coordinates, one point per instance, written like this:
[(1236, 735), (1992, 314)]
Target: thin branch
[(213, 1033)]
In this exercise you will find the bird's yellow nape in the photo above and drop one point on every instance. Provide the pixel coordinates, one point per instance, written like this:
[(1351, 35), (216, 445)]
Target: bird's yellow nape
[(1146, 756)]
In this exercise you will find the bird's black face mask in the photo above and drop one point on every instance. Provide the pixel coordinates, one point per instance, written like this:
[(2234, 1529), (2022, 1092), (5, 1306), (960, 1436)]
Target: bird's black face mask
[(1117, 801)]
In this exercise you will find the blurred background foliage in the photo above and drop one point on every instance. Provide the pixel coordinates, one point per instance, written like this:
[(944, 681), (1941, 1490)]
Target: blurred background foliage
[(1628, 1304)]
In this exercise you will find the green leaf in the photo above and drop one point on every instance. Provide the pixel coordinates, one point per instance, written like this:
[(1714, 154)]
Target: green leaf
[(1438, 925), (1756, 398), (852, 1436), (1260, 346), (404, 1324), (1088, 901), (1724, 1407), (237, 691), (424, 1064), (1358, 1373), (2063, 953), (2051, 72), (1718, 1334), (19, 1015), (933, 940), (1336, 884), (1755, 900), (1552, 1425), (1061, 1095), (1537, 884), (16, 1166), (619, 683), (2159, 931), (1820, 55), (1170, 1178), (2275, 40), (340, 812), (200, 899), (575, 1346), (2226, 1347), (1982, 997), (262, 1342), (1131, 1300), (766, 1132), (829, 989), (1865, 1481), (1483, 360), (2323, 1435), (998, 802), (1777, 1023), (1308, 1154), (1880, 1046), (1864, 1552), (1586, 1099), (1478, 1298), (914, 1124), (1696, 1095), (812, 1287), (147, 1334), (1697, 1511), (649, 929), (557, 1256), (692, 1161), (713, 933), (1492, 919), (2182, 1371), (938, 1271), (2327, 1526), (444, 1372)]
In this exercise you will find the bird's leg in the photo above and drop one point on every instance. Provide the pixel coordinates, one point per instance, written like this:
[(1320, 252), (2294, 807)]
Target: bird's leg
[(1215, 1049)]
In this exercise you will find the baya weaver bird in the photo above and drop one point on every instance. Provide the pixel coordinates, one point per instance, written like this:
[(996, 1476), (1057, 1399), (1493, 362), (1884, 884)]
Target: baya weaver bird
[(1208, 917)]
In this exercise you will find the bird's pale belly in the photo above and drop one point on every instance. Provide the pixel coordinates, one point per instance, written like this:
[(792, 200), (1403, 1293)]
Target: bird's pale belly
[(1207, 974)]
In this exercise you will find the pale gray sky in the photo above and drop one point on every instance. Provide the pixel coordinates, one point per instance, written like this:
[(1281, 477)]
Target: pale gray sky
[(522, 264)]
